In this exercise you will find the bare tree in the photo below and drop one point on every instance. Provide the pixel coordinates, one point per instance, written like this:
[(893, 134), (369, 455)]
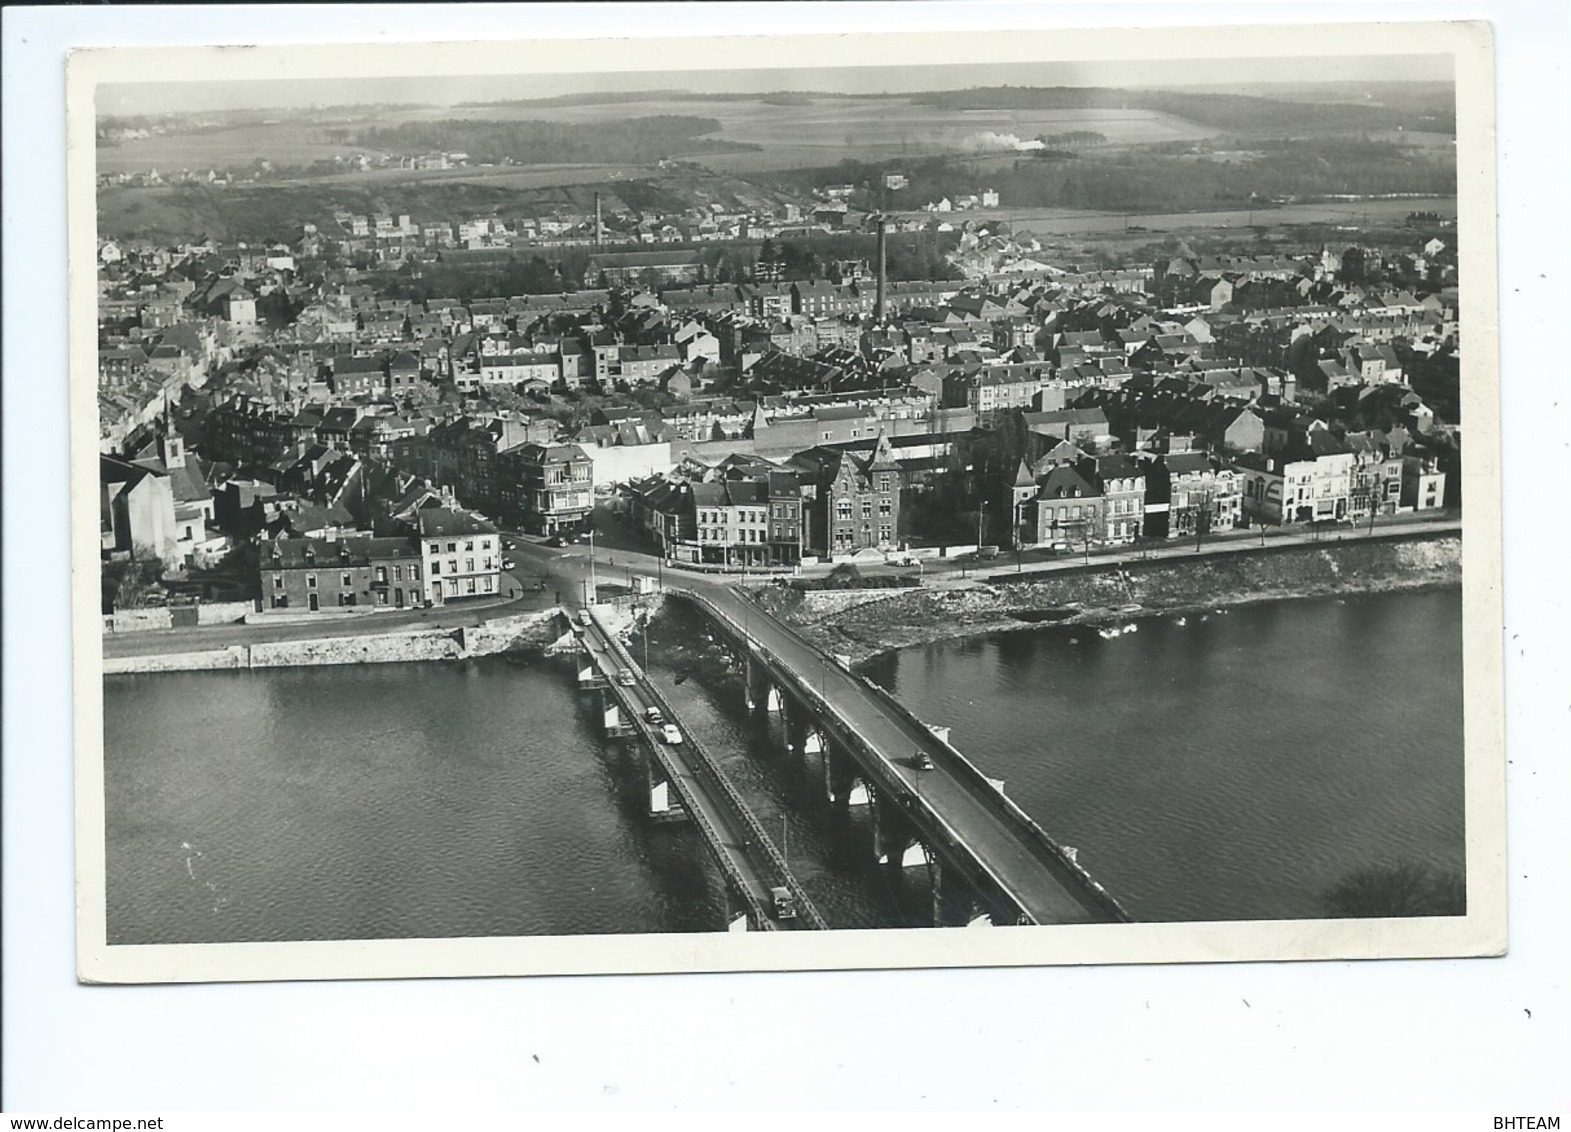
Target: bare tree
[(1405, 889)]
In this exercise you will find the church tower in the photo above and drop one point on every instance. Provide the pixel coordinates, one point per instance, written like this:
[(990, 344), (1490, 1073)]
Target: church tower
[(171, 446)]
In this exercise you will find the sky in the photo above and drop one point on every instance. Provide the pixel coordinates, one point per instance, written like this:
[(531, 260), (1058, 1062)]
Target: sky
[(1257, 75)]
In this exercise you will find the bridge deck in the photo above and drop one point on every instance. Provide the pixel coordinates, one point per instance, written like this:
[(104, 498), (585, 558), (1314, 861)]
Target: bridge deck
[(954, 798), (734, 835)]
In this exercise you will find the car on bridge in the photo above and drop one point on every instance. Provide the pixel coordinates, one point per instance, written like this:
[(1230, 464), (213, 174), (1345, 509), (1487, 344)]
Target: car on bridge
[(922, 761), (670, 734), (784, 902), (626, 678), (653, 716)]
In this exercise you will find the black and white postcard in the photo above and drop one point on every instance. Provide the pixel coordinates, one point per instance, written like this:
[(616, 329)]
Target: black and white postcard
[(768, 503)]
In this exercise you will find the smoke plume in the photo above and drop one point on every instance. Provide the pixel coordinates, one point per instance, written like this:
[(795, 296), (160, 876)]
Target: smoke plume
[(990, 142)]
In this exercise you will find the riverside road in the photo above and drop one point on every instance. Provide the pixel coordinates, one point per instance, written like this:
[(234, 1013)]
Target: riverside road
[(618, 557)]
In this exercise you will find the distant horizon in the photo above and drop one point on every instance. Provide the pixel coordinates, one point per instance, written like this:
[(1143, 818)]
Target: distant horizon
[(1258, 76)]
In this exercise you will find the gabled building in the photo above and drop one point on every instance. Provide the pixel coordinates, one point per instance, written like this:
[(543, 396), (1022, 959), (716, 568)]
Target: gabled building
[(851, 500), (1189, 493), (1121, 483), (1068, 510), (136, 512)]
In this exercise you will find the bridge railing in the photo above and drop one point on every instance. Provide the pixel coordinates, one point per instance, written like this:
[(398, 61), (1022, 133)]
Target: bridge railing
[(978, 781), (737, 805), (956, 762)]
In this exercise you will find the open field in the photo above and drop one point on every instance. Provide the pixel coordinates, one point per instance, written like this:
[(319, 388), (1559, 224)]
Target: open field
[(820, 133), (234, 147), (496, 176), (1352, 214), (829, 129)]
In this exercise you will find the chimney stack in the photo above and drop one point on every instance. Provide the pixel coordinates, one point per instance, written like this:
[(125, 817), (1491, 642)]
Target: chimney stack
[(599, 227), (878, 302)]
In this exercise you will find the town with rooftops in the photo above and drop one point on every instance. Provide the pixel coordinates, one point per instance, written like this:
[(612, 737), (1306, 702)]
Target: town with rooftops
[(831, 446), (261, 407)]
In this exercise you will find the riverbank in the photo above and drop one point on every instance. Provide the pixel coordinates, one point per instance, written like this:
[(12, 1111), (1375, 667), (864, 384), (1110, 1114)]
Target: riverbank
[(517, 633), (863, 624)]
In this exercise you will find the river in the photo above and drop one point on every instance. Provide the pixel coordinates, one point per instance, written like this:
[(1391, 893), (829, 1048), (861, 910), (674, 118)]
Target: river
[(1229, 768), (1232, 767)]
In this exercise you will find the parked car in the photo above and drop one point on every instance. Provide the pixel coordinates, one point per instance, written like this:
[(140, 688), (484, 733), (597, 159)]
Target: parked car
[(556, 541), (509, 564), (670, 734)]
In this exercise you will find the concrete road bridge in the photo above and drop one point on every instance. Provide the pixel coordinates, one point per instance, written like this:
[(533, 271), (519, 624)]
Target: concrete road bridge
[(930, 806), (685, 782)]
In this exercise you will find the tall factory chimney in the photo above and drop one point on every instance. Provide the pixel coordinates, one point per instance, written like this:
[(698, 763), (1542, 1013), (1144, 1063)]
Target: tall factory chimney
[(599, 226), (878, 301)]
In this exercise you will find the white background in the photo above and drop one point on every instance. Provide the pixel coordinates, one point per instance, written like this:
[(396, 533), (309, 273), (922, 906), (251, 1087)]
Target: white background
[(1485, 1035)]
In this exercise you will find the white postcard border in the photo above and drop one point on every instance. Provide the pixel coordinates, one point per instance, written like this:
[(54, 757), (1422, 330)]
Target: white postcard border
[(1481, 932)]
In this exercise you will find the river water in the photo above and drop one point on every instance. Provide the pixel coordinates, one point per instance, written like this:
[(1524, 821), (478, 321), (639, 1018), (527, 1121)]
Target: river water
[(1229, 768), (1232, 767)]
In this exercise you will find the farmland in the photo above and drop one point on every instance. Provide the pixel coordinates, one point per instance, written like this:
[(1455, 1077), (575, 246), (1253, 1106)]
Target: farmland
[(1068, 160), (233, 147), (789, 136), (825, 129), (1342, 214)]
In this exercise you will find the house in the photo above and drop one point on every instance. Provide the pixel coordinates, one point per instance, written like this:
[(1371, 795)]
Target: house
[(1189, 493), (462, 454), (136, 512), (663, 509), (1375, 486), (403, 371), (851, 501), (696, 342), (239, 307), (731, 521), (357, 376), (546, 489), (820, 298), (1068, 510), (461, 554), (1083, 426), (1121, 483), (1423, 482), (353, 573), (1212, 291), (1309, 479), (166, 456)]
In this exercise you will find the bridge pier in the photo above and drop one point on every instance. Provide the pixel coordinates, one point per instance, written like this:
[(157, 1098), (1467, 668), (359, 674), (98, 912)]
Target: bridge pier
[(841, 782), (760, 691), (612, 717), (589, 675), (664, 804), (895, 839), (738, 917)]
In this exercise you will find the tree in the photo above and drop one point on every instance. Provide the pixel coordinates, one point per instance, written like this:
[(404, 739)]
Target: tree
[(1405, 889), (140, 581)]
